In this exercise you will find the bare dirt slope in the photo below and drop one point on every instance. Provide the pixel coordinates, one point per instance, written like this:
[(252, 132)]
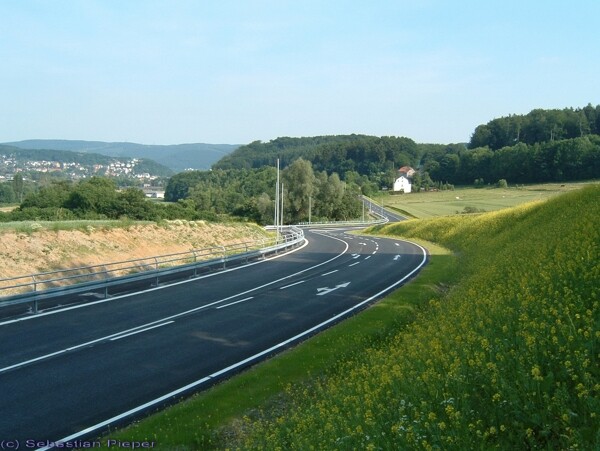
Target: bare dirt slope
[(36, 251)]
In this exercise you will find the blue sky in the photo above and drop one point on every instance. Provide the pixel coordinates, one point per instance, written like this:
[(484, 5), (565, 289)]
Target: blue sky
[(233, 71)]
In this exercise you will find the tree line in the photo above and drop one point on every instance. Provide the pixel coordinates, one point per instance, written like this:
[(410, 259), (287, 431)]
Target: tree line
[(250, 193), (541, 146), (551, 161), (96, 198), (538, 126)]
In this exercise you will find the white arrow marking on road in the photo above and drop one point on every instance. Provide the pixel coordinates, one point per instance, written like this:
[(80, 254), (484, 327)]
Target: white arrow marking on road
[(397, 257), (325, 290), (355, 255)]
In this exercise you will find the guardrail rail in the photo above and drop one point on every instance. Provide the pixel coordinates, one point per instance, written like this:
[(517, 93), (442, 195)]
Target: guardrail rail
[(102, 281)]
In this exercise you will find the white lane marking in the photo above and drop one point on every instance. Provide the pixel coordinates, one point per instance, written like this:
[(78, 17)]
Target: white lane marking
[(236, 302), (16, 365), (367, 257), (89, 304), (374, 252), (330, 272), (397, 244), (355, 256), (357, 263), (140, 331), (82, 345), (293, 284), (203, 380), (397, 257), (326, 290)]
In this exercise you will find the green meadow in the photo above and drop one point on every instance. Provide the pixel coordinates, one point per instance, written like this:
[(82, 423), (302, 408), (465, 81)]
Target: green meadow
[(495, 345), (441, 203)]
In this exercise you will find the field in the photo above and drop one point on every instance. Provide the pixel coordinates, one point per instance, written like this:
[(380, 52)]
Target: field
[(442, 203)]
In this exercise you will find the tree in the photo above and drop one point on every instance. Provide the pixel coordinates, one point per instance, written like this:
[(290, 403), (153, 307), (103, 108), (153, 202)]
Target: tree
[(298, 180), (97, 195), (17, 185)]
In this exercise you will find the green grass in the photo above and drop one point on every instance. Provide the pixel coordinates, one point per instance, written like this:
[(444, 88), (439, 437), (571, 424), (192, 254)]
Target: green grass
[(213, 418), (83, 225), (442, 203), (506, 358)]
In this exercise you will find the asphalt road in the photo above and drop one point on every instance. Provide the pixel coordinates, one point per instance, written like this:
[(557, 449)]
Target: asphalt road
[(70, 373)]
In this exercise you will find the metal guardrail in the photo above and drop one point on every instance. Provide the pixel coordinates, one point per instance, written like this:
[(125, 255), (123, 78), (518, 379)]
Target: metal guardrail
[(33, 288)]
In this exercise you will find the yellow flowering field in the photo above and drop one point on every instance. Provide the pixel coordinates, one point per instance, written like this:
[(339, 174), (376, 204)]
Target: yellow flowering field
[(508, 358)]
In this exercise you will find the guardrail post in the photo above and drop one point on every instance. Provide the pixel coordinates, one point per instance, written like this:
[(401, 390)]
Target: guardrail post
[(195, 261), (157, 274), (224, 256)]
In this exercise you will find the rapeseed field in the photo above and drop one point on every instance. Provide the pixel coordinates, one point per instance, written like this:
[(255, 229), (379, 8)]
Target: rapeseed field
[(508, 358)]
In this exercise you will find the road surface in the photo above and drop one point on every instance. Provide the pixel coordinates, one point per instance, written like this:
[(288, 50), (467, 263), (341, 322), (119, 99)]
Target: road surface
[(70, 373)]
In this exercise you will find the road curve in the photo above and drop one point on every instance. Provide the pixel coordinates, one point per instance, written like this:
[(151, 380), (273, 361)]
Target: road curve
[(71, 373)]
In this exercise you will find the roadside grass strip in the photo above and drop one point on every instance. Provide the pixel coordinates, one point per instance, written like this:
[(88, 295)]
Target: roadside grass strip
[(506, 357), (495, 346), (216, 417)]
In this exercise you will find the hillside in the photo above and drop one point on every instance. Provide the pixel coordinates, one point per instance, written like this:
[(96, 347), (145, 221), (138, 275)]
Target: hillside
[(74, 163), (35, 247), (507, 358), (542, 146), (176, 157)]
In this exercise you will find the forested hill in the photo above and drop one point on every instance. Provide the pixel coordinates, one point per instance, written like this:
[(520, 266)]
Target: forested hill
[(541, 146), (339, 153), (177, 157), (538, 126)]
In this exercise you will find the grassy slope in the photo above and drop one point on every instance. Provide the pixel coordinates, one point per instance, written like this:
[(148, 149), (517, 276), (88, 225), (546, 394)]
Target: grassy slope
[(440, 203), (507, 359), (214, 417)]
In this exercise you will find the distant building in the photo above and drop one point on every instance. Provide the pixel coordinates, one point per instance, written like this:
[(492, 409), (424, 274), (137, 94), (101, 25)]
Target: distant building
[(403, 184), (154, 193)]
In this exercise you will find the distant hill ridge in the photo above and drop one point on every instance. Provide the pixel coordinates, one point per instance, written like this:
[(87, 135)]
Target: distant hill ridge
[(177, 157)]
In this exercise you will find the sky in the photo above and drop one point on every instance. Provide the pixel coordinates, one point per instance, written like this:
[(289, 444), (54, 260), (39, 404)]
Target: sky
[(235, 71)]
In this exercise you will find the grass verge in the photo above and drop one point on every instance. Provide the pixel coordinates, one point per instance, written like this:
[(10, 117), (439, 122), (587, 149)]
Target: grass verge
[(211, 419)]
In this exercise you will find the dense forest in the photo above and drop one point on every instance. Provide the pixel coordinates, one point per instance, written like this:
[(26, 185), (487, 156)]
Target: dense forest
[(538, 126), (541, 146), (250, 193)]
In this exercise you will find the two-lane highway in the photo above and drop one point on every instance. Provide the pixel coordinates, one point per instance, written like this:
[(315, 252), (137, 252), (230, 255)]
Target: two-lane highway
[(70, 373)]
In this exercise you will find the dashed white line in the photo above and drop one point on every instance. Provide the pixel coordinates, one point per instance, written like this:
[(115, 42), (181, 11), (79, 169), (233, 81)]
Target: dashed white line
[(236, 302), (140, 331), (330, 272), (357, 263), (367, 257), (292, 284)]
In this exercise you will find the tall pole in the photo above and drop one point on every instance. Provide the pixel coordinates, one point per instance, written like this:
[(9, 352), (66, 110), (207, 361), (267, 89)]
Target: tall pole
[(276, 219), (309, 209), (281, 212)]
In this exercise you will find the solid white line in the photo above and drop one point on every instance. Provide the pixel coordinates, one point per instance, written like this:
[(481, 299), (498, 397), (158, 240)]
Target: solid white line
[(177, 315), (330, 272), (140, 331), (89, 304), (293, 284), (357, 263), (236, 302), (242, 362)]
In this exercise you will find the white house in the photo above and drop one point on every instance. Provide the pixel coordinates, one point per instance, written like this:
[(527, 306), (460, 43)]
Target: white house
[(404, 181)]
